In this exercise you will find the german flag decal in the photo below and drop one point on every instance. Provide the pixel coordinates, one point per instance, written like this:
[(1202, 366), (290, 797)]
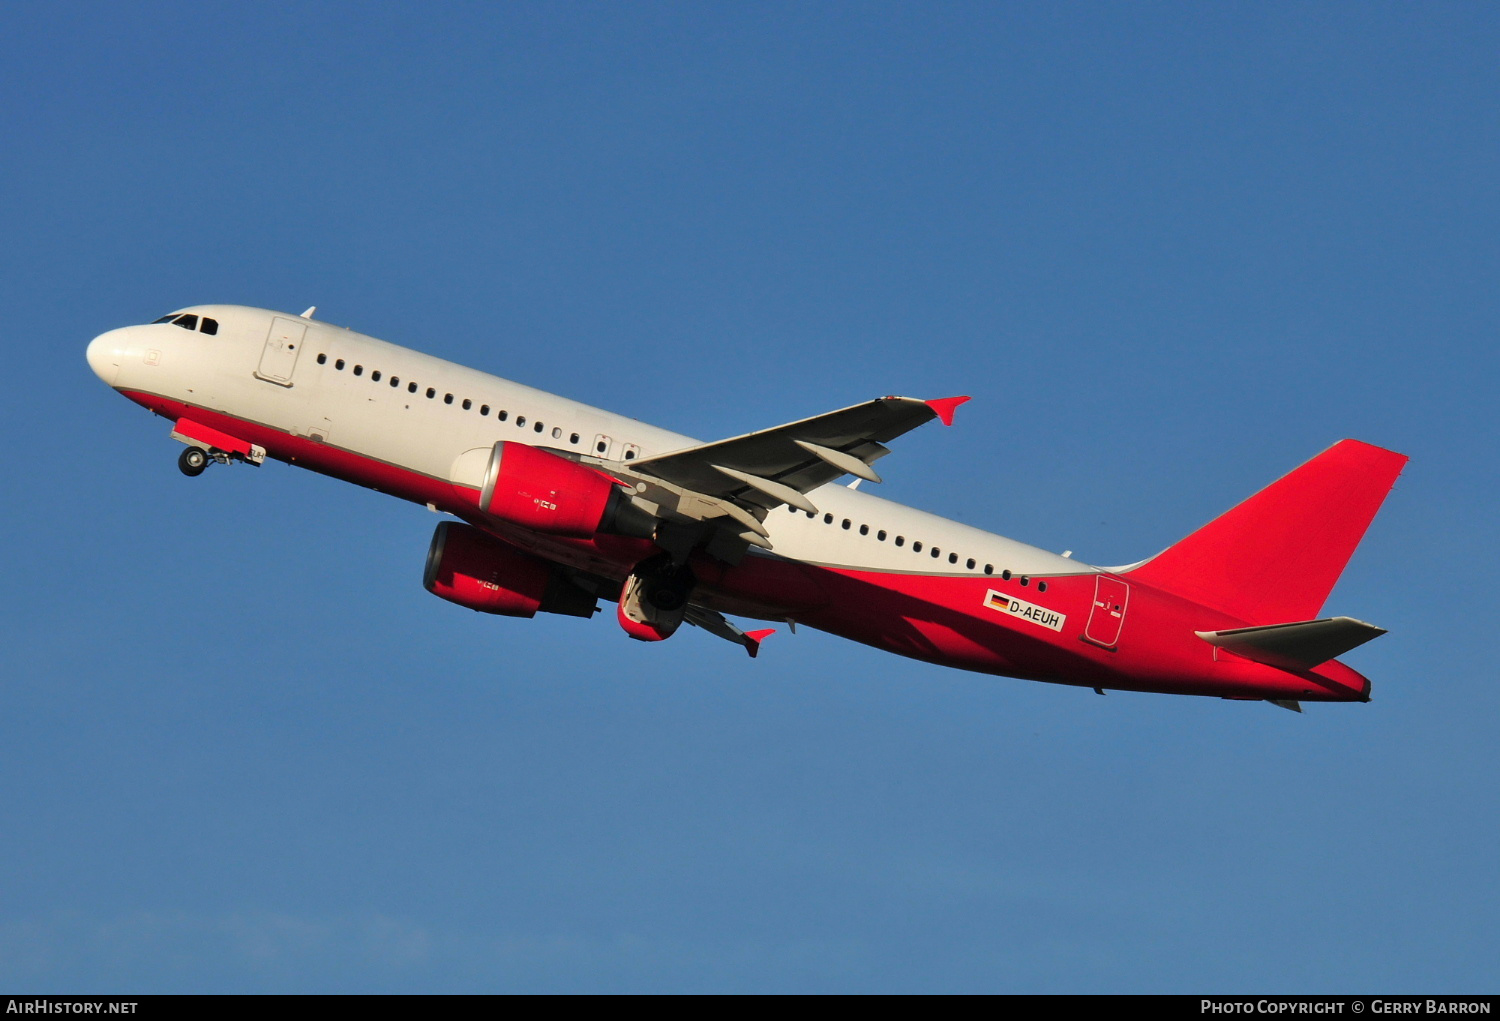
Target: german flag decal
[(1014, 607)]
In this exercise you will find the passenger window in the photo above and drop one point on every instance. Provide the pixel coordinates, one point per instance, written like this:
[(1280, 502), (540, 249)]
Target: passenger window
[(186, 322), (573, 439), (556, 433), (916, 547), (322, 359), (209, 326), (900, 540), (468, 404), (952, 558), (936, 552), (359, 370), (1005, 574), (537, 427), (989, 568), (629, 455), (827, 519), (880, 535), (431, 392), (864, 529), (601, 446), (502, 416), (1041, 586), (395, 382), (484, 409), (411, 388), (971, 563), (339, 365), (375, 376), (520, 421), (447, 398), (846, 524)]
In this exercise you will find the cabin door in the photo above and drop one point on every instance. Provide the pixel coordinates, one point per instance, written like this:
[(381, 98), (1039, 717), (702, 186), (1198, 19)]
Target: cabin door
[(279, 357), (1107, 616)]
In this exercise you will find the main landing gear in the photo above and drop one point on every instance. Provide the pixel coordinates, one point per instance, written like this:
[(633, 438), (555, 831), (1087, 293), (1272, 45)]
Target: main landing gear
[(655, 598)]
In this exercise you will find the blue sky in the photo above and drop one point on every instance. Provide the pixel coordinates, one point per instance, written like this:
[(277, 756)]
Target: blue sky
[(1172, 250)]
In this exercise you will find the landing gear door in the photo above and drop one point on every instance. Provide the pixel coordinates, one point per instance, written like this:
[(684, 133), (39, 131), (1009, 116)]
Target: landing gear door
[(1107, 616), (279, 357)]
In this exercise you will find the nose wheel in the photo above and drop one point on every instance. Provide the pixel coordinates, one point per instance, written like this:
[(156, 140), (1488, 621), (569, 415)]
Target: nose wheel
[(192, 461)]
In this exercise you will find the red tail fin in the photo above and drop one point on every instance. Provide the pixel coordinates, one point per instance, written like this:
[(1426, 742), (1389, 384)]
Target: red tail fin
[(1276, 556)]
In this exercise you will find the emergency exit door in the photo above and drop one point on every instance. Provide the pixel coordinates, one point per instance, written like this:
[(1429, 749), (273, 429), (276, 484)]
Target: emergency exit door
[(283, 345)]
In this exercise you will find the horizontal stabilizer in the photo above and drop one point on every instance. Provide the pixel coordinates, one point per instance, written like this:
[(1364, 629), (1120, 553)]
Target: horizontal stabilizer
[(1298, 646)]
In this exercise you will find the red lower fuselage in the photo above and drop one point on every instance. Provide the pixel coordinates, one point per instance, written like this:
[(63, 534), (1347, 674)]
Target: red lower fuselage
[(1092, 629)]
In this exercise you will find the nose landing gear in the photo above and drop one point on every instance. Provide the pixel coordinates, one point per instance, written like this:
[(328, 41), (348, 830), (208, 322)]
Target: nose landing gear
[(205, 444), (192, 461)]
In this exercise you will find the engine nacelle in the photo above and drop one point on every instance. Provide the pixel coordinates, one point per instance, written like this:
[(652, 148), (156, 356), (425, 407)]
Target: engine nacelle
[(467, 567), (534, 489), (654, 599)]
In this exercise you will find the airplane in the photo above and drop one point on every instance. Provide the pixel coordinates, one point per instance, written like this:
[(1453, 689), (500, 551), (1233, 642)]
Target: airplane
[(556, 506)]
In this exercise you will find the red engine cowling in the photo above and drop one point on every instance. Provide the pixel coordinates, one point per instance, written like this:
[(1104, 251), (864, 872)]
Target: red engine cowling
[(467, 567), (534, 489)]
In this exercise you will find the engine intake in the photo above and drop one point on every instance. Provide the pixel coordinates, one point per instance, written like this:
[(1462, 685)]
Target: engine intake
[(468, 567)]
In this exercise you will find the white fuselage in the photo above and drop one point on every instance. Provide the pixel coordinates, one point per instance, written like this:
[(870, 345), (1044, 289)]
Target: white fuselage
[(440, 420)]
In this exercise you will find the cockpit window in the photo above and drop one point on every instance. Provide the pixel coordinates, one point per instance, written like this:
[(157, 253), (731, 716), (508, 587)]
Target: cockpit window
[(187, 322)]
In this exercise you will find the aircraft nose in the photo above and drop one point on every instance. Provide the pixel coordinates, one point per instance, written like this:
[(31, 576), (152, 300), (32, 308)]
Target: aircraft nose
[(104, 355)]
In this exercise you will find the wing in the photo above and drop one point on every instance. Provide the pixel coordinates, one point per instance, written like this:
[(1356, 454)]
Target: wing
[(763, 470)]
